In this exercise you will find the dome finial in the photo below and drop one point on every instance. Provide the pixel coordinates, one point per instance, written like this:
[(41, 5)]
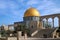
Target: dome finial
[(30, 7)]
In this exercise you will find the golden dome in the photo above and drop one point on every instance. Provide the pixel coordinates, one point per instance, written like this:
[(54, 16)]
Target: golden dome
[(31, 12)]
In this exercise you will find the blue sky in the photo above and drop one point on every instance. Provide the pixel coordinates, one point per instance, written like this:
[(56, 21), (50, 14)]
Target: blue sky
[(13, 10)]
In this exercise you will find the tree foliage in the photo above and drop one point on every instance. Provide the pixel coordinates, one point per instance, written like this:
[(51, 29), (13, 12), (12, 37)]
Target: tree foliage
[(23, 29)]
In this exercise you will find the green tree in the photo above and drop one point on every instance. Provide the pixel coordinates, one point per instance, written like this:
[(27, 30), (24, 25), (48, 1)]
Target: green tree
[(3, 33), (23, 29)]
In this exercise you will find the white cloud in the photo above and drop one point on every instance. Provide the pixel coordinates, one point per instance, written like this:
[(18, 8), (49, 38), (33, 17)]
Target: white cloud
[(5, 6), (32, 2), (51, 11), (2, 5), (48, 7), (20, 1)]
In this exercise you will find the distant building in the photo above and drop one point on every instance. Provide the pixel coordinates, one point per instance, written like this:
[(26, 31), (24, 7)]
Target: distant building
[(4, 27), (11, 27)]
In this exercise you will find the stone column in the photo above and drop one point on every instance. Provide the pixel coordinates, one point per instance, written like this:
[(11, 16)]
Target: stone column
[(41, 23), (57, 35), (59, 21), (25, 36), (53, 22), (47, 21), (19, 35)]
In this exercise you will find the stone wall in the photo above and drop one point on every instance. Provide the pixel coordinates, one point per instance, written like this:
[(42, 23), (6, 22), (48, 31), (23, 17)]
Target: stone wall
[(42, 39), (12, 38), (15, 38)]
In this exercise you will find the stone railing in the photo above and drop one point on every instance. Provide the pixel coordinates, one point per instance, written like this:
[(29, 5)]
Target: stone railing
[(15, 38)]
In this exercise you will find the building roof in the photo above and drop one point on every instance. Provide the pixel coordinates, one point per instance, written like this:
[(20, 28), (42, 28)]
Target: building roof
[(31, 12)]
